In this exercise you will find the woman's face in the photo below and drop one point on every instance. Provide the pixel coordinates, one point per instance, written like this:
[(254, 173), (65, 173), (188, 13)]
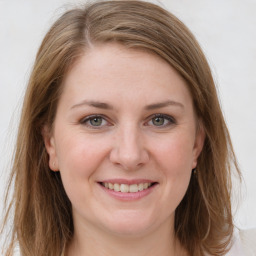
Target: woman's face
[(125, 121)]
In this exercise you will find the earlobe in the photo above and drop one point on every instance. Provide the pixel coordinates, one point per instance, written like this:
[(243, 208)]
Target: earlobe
[(49, 143), (199, 143)]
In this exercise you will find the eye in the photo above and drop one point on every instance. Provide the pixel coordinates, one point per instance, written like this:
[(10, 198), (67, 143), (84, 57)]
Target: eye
[(94, 121), (161, 120)]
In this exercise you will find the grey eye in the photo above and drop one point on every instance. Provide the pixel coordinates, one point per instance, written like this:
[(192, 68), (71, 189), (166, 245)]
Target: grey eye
[(96, 121), (161, 121), (158, 121)]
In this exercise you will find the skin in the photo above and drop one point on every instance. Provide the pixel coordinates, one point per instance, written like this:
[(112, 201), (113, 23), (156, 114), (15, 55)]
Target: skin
[(130, 143)]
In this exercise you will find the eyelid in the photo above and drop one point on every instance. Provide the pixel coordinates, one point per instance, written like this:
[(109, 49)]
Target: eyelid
[(84, 121), (171, 120)]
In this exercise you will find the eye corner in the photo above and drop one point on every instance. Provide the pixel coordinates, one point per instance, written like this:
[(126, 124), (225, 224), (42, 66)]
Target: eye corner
[(95, 121), (160, 120)]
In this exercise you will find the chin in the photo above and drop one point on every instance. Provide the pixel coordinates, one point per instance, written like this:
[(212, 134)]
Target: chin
[(129, 230), (130, 224)]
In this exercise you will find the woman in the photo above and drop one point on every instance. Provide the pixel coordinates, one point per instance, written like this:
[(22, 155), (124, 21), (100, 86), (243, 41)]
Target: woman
[(122, 146)]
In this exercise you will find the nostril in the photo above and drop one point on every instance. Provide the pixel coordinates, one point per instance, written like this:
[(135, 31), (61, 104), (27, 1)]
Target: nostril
[(129, 158)]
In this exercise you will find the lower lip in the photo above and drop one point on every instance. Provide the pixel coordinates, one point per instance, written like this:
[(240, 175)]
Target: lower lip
[(129, 196)]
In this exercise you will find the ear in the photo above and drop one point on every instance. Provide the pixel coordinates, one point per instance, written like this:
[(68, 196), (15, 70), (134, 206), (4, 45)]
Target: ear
[(50, 146), (199, 143)]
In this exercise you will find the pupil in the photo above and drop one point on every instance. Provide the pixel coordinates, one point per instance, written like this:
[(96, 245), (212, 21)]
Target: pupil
[(158, 121), (96, 121)]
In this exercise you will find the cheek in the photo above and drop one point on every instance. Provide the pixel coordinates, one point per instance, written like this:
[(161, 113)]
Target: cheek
[(174, 159), (78, 158), (175, 154)]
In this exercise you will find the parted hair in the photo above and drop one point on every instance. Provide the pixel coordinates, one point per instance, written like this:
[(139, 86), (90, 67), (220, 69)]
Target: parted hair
[(42, 212)]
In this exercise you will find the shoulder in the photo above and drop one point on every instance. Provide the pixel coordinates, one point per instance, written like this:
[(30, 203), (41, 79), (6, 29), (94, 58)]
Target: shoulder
[(244, 243)]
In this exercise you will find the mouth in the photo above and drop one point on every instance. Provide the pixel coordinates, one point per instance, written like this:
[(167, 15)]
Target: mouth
[(128, 188)]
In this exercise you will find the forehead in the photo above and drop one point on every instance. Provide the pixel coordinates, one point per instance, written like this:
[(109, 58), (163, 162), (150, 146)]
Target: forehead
[(113, 72), (106, 56)]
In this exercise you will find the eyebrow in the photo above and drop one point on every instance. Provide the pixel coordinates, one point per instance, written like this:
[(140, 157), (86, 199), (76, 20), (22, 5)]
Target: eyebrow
[(164, 104), (95, 104), (103, 105)]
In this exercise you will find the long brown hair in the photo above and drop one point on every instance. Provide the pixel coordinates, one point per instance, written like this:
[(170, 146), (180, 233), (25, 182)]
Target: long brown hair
[(42, 211)]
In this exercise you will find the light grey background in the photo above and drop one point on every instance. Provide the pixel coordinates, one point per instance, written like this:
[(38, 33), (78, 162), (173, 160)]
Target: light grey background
[(226, 31)]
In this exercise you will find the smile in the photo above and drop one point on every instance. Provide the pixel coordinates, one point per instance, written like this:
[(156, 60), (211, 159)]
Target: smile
[(125, 188)]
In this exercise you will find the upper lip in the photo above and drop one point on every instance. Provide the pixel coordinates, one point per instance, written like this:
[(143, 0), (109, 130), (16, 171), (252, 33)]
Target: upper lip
[(126, 181)]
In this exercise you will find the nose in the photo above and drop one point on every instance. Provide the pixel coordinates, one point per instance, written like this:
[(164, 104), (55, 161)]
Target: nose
[(129, 150)]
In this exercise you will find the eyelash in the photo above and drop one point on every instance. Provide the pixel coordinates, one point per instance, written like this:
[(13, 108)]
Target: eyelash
[(87, 119), (170, 120)]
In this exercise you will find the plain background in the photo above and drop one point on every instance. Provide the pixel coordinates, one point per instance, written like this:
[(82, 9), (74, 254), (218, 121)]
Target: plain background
[(224, 28)]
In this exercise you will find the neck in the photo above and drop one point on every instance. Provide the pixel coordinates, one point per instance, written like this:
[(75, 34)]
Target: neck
[(91, 241)]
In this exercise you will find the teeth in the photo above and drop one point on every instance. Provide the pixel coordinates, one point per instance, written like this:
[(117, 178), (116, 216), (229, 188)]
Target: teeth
[(125, 188), (133, 188), (146, 185), (116, 187), (141, 186)]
